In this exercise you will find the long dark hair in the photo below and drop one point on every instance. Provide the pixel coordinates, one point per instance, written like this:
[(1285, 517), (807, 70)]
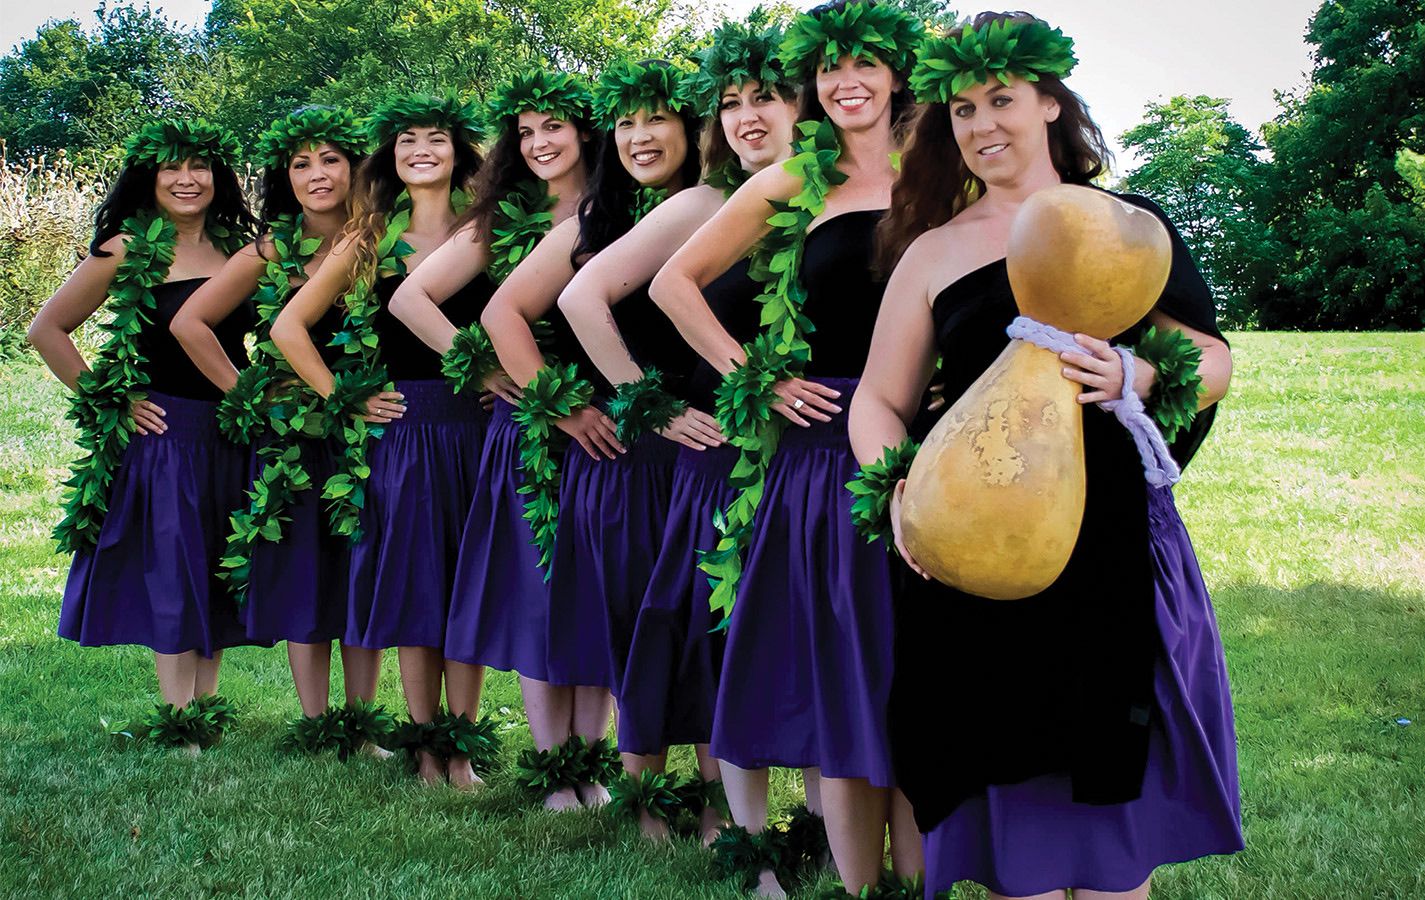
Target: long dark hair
[(505, 170), (134, 189), (606, 212), (377, 185), (935, 184)]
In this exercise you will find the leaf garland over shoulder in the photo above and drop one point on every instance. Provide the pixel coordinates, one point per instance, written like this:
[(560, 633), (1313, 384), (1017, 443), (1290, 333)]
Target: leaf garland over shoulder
[(311, 126), (522, 218), (275, 403), (997, 50), (100, 406), (740, 52), (744, 400), (856, 29), (625, 87)]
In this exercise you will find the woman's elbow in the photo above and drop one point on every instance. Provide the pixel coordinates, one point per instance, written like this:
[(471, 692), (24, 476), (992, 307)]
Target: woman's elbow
[(664, 288)]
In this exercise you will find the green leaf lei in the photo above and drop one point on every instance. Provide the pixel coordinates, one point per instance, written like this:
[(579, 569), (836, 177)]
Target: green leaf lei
[(523, 217), (745, 398), (740, 52), (553, 393), (946, 66), (359, 374), (643, 406), (269, 398), (100, 406), (1173, 403), (873, 487), (625, 87), (311, 127), (856, 29), (727, 177), (645, 200)]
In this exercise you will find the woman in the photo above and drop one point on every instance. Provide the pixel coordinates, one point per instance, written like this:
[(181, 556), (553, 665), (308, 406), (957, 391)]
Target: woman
[(534, 178), (645, 156), (1120, 656), (664, 661), (407, 513), (807, 666), (145, 514), (283, 564)]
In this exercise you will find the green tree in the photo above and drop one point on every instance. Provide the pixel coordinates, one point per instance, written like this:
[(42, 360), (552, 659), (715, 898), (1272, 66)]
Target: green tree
[(72, 89), (1201, 166), (1351, 234)]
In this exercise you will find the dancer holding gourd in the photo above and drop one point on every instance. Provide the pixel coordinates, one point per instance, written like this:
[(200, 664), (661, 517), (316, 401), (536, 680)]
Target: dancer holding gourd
[(1080, 772)]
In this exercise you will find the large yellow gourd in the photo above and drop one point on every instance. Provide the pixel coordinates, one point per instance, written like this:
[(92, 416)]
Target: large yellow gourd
[(995, 498)]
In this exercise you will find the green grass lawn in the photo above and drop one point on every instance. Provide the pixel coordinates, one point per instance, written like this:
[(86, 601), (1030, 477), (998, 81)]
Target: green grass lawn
[(1307, 508)]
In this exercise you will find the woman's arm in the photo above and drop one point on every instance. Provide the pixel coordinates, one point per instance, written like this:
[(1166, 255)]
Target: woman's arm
[(77, 299), (446, 270), (291, 332), (1099, 369), (632, 260), (527, 295), (212, 303)]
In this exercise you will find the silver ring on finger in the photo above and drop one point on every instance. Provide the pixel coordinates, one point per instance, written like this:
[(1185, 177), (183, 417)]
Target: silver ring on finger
[(799, 404)]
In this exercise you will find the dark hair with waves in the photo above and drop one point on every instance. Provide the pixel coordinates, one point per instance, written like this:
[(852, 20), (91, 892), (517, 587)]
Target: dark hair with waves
[(376, 187), (505, 170), (134, 190), (606, 211), (936, 184)]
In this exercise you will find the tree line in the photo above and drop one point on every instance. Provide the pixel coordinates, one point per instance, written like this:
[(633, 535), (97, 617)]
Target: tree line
[(1321, 225)]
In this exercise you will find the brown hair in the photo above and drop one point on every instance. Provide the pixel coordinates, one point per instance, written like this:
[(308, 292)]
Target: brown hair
[(713, 148), (377, 186), (935, 184)]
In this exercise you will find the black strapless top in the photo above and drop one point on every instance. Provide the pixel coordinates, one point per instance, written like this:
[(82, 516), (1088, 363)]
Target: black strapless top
[(406, 357), (731, 296), (169, 369), (653, 340), (843, 293)]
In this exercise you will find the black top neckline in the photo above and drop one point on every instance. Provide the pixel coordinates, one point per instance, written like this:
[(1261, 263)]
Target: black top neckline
[(850, 212), (978, 270)]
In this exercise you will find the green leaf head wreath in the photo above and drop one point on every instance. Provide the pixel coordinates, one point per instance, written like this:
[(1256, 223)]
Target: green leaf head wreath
[(625, 87), (996, 50), (174, 140), (862, 28), (311, 126), (560, 94), (740, 52), (447, 111)]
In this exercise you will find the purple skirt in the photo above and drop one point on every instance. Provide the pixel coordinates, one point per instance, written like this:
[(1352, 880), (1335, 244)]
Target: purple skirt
[(1029, 838), (499, 606), (151, 578), (297, 588), (611, 516), (423, 474), (670, 680), (807, 671)]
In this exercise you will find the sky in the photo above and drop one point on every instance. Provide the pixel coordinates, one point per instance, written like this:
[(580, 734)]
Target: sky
[(1130, 53)]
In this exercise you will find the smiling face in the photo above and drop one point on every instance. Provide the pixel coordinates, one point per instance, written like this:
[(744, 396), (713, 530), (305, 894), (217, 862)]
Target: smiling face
[(424, 156), (550, 146), (856, 91), (757, 123), (184, 189), (1003, 130), (320, 177), (652, 145)]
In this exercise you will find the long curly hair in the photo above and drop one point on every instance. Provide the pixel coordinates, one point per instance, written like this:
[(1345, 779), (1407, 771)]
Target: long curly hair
[(377, 185), (134, 190), (505, 169), (936, 184)]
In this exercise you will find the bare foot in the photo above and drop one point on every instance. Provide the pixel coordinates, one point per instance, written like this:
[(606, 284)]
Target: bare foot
[(710, 826), (562, 800), (374, 750), (768, 886), (432, 770), (593, 795), (462, 775), (654, 828)]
